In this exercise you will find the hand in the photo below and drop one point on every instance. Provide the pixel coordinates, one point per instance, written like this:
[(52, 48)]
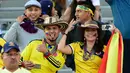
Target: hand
[(42, 48), (114, 29), (20, 18), (71, 26), (28, 65)]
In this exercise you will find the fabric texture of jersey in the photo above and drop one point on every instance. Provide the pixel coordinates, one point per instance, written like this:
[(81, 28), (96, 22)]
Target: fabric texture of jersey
[(89, 66), (2, 42), (19, 70), (30, 53)]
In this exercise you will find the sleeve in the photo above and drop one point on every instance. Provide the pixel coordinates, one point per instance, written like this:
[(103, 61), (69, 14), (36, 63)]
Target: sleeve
[(73, 46), (96, 2), (27, 51), (2, 42), (11, 34), (56, 63)]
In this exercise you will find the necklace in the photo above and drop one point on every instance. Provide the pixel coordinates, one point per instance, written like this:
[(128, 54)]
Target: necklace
[(49, 46), (87, 54)]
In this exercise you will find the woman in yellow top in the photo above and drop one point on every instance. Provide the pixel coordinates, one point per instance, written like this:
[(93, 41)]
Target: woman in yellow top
[(2, 42), (87, 54)]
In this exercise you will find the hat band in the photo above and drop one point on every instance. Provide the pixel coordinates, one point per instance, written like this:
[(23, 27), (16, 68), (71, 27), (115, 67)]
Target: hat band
[(84, 8)]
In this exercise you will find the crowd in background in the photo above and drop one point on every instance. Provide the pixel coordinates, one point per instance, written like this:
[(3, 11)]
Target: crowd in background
[(50, 35)]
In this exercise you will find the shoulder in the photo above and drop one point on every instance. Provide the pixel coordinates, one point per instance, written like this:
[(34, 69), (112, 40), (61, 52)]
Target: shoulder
[(16, 24), (76, 44), (25, 70), (2, 42), (36, 41)]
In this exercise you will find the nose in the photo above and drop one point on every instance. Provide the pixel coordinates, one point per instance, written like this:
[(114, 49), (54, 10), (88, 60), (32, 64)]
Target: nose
[(13, 56), (33, 12), (51, 30)]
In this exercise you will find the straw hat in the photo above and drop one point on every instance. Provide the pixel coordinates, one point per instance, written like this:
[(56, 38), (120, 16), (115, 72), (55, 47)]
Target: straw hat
[(48, 21), (91, 24)]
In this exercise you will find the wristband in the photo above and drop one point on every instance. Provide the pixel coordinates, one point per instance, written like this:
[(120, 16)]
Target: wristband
[(47, 54), (22, 64), (64, 33)]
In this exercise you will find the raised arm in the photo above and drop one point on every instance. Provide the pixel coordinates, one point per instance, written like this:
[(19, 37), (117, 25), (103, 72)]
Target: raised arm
[(66, 15), (62, 44)]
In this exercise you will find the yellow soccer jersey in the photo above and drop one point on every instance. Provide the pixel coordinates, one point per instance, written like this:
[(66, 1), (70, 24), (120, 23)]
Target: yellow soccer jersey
[(2, 42), (89, 66), (44, 65)]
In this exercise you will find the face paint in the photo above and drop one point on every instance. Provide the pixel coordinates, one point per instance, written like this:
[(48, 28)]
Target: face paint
[(46, 32)]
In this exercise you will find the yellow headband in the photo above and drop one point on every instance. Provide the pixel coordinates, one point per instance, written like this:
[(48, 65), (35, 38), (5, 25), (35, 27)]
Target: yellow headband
[(84, 8)]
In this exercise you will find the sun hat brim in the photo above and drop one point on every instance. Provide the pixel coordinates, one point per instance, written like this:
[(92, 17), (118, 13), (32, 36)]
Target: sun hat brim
[(63, 25), (90, 26)]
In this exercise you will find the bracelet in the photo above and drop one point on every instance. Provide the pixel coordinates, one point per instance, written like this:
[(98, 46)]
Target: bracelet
[(22, 64), (47, 54), (64, 33)]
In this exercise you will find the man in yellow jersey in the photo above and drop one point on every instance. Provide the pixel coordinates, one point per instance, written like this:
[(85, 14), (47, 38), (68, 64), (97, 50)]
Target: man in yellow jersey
[(11, 58), (42, 56), (2, 42)]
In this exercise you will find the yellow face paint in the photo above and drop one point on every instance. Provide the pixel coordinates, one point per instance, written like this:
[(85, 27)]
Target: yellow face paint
[(46, 31), (84, 8)]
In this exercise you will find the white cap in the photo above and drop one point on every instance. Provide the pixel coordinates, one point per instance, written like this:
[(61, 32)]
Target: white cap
[(32, 2)]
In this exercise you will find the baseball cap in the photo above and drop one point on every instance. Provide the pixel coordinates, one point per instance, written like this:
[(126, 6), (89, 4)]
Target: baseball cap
[(10, 45), (32, 3), (46, 5)]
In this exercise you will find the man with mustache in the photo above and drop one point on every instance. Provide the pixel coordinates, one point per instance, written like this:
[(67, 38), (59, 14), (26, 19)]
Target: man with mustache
[(11, 59), (41, 56)]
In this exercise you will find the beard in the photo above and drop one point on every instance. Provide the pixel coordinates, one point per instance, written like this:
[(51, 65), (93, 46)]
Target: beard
[(52, 37)]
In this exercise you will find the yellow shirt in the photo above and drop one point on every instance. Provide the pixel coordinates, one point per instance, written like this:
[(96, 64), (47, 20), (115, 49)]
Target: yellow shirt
[(19, 70), (89, 66), (2, 42), (46, 65)]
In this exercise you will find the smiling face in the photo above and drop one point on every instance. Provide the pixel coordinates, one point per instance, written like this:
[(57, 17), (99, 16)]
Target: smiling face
[(33, 13), (91, 34), (52, 32)]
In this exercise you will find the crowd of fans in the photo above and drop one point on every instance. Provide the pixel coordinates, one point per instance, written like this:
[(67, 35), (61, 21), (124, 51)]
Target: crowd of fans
[(47, 37)]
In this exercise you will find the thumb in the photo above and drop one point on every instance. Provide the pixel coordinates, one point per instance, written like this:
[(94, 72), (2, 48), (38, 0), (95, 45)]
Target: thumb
[(43, 41)]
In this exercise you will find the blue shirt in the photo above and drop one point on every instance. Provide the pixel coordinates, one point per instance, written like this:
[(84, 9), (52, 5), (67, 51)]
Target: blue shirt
[(121, 14)]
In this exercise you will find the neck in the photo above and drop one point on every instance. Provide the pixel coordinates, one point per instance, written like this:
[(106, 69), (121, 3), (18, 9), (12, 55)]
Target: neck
[(90, 45), (87, 20), (12, 69), (50, 42)]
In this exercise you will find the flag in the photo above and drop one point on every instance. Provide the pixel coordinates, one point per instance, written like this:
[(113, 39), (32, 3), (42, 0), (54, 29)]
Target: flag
[(112, 61)]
